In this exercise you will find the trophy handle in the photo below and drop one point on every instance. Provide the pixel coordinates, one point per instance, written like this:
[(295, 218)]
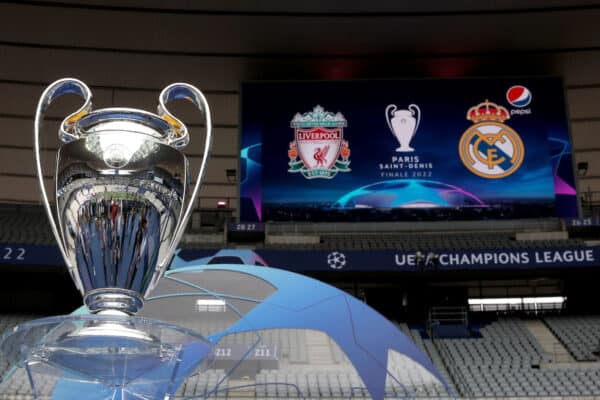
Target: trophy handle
[(391, 108), (66, 134), (415, 110), (179, 138)]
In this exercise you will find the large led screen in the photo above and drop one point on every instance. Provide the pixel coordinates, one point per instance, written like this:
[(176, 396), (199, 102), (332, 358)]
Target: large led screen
[(425, 149)]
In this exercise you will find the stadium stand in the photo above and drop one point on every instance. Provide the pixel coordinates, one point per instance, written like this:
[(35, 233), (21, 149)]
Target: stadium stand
[(381, 227), (429, 241), (292, 343), (17, 386), (203, 384), (7, 322), (24, 224), (506, 361), (27, 224), (425, 235), (580, 335), (204, 241), (31, 227)]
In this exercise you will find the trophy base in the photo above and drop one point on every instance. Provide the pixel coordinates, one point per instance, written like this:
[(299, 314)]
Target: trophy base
[(404, 149), (114, 301), (101, 356)]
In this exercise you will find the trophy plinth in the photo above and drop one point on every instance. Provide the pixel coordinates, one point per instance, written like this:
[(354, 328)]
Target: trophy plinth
[(102, 356), (122, 202)]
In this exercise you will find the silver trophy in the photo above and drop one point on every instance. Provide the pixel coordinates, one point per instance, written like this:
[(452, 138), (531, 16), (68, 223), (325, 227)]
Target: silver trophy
[(403, 124), (122, 202), (122, 193)]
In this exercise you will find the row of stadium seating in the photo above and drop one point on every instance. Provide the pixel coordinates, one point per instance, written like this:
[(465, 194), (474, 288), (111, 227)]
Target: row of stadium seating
[(18, 387), (27, 227), (205, 383), (426, 242), (196, 386), (505, 342), (494, 225), (7, 322), (521, 382), (313, 384), (291, 343), (338, 383)]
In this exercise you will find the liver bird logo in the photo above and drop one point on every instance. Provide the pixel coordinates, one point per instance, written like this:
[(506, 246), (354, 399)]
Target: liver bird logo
[(320, 156)]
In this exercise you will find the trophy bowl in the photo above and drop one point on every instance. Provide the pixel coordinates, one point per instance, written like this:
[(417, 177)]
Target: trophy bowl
[(123, 198), (120, 192)]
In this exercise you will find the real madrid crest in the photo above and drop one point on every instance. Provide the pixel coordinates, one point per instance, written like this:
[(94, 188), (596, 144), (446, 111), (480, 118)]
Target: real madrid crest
[(319, 149), (489, 148)]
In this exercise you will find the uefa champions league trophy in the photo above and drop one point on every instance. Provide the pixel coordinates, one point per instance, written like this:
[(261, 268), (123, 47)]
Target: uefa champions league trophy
[(403, 124), (122, 203)]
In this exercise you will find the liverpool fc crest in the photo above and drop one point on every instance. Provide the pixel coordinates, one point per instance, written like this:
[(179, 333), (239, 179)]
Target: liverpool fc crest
[(319, 149)]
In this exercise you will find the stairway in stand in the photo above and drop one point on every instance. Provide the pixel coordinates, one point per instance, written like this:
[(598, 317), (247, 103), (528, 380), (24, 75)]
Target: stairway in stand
[(548, 341), (319, 350)]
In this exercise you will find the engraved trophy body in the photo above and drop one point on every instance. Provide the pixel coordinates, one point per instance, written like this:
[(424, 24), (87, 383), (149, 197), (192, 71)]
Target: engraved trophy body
[(122, 203), (403, 124)]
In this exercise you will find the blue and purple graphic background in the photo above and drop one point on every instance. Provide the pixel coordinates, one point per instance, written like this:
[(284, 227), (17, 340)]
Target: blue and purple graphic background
[(444, 189)]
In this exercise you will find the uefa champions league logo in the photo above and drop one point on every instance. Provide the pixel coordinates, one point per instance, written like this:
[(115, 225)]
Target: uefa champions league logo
[(336, 260), (403, 124)]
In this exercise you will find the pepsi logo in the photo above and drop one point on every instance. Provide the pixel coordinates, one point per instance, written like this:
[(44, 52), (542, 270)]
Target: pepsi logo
[(518, 96)]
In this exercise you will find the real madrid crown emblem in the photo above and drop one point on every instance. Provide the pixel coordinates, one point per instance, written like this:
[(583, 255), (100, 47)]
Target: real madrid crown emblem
[(490, 148)]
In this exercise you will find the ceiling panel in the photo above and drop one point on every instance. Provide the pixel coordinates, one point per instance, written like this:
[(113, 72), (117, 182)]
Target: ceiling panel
[(243, 34), (324, 6), (227, 73)]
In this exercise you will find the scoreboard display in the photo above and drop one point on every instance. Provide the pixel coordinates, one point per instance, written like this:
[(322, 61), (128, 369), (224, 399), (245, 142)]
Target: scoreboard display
[(405, 149)]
